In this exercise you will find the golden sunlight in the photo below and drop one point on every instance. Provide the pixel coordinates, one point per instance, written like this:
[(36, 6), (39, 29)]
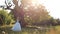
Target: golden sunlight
[(51, 5), (35, 2)]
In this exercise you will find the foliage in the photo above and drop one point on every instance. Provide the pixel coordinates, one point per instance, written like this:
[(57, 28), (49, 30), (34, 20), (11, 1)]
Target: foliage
[(32, 13), (37, 15), (6, 17)]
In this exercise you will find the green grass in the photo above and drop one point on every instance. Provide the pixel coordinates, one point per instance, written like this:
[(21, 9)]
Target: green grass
[(27, 30), (57, 29)]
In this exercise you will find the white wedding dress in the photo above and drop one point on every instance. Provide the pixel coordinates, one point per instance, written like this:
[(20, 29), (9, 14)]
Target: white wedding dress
[(16, 27)]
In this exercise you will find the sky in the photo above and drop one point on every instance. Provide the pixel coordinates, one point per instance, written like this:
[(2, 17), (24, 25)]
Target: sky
[(52, 6)]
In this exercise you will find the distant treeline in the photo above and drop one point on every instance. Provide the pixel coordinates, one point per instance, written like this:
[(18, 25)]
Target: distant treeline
[(49, 22)]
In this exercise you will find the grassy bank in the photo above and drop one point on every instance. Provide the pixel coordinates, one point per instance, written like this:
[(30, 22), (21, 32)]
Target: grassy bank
[(26, 30)]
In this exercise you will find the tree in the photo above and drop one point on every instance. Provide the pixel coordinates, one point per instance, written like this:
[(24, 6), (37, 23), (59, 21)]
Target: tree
[(25, 9), (36, 15)]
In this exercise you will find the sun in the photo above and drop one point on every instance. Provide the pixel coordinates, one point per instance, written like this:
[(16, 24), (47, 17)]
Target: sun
[(35, 2), (38, 1)]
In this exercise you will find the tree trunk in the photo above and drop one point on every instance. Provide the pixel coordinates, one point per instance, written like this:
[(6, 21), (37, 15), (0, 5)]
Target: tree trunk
[(18, 12)]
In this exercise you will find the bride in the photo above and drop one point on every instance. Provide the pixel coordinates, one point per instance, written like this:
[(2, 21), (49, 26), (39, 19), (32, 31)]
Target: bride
[(17, 26)]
